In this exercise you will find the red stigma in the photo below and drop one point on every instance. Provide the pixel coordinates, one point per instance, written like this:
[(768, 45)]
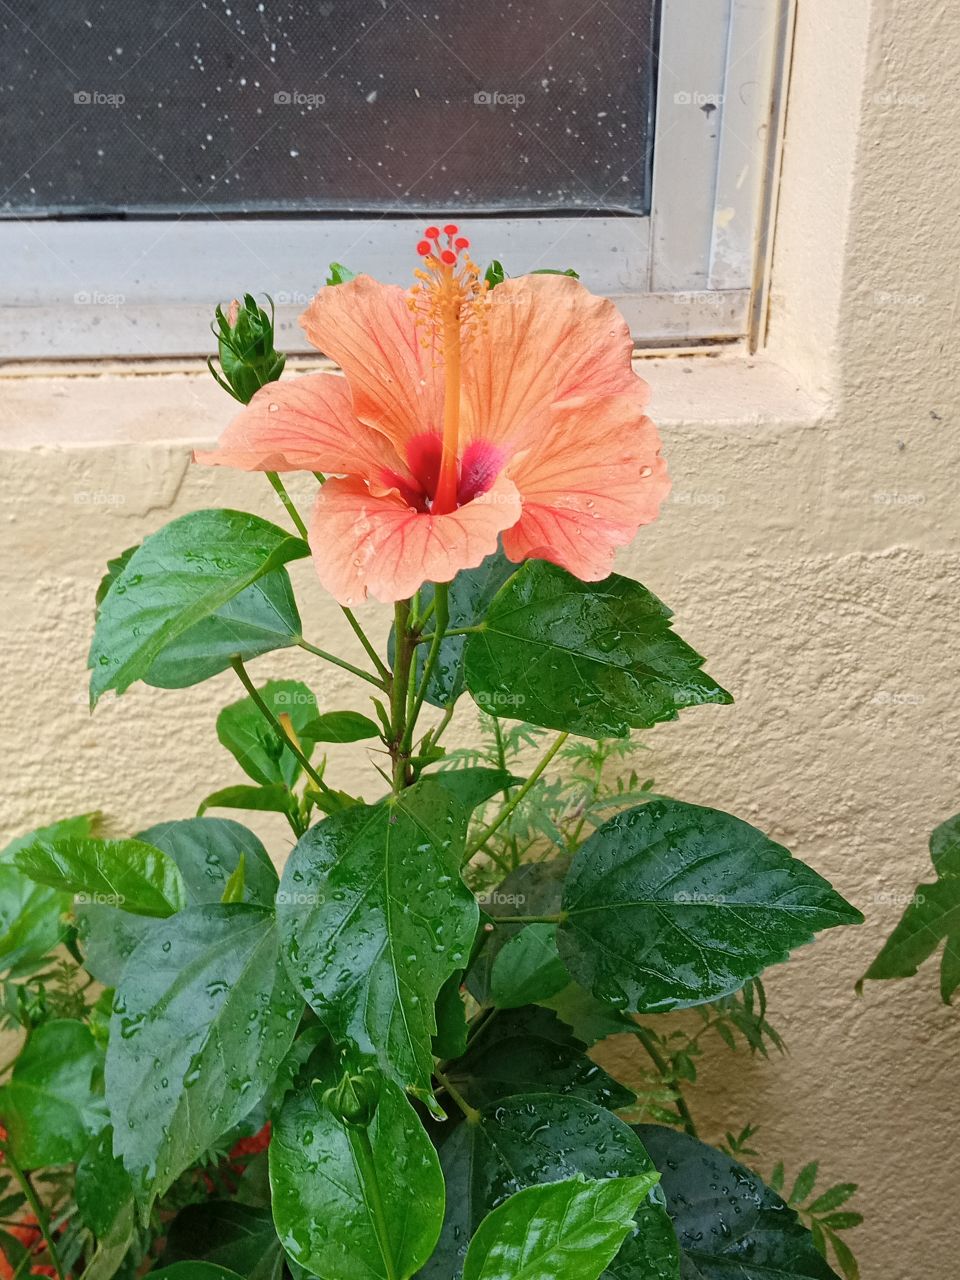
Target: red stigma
[(450, 229), (462, 243), (424, 247), (448, 257), (432, 233)]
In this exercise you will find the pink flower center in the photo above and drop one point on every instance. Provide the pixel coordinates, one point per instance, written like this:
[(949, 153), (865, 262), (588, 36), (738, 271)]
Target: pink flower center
[(476, 471)]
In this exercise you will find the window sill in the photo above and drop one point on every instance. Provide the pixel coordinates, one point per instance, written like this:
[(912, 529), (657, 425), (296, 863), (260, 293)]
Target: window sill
[(104, 404)]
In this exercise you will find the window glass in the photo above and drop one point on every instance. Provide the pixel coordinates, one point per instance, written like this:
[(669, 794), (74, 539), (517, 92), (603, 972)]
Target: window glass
[(240, 106)]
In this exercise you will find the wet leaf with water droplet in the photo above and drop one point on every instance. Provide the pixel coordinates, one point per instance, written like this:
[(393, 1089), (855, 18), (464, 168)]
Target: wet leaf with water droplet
[(172, 586), (375, 917), (670, 904), (204, 1005), (567, 1230), (534, 1138), (593, 658), (728, 1223), (48, 1106), (322, 1181)]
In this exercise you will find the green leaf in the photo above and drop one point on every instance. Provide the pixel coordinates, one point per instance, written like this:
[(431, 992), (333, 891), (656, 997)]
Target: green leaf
[(339, 274), (536, 1138), (847, 1262), (592, 658), (374, 918), (531, 1051), (670, 904), (346, 1210), (31, 915), (450, 1040), (48, 1106), (257, 748), (178, 578), (832, 1199), (527, 968), (469, 598), (842, 1221), (261, 618), (239, 1237), (203, 1016), (208, 852), (563, 1231), (728, 1223), (272, 799), (128, 874), (474, 786), (341, 726), (932, 917), (103, 1192), (233, 889), (108, 938), (194, 1271), (532, 889), (804, 1184), (114, 569)]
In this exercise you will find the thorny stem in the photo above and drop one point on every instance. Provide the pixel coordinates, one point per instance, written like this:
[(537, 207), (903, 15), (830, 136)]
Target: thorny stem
[(244, 677), (516, 798), (656, 1057), (36, 1207)]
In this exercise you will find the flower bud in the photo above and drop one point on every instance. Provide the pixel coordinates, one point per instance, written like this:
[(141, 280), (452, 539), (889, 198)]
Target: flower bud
[(354, 1100), (244, 336)]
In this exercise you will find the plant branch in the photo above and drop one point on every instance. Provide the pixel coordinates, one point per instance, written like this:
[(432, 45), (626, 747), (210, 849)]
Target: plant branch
[(516, 798), (339, 662), (441, 594), (470, 1114), (43, 1222), (656, 1057), (244, 677)]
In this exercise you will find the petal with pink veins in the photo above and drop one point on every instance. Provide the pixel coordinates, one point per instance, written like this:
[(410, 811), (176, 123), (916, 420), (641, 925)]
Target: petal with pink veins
[(302, 424), (369, 330), (544, 339), (596, 476), (365, 543)]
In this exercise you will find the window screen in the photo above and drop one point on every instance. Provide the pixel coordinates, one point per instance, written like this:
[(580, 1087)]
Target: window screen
[(299, 106)]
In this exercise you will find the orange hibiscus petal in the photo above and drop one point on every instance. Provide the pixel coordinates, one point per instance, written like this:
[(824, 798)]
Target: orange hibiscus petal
[(302, 424), (365, 543), (545, 339), (369, 329), (593, 479)]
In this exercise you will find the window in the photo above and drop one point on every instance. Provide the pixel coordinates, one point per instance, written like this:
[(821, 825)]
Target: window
[(162, 156)]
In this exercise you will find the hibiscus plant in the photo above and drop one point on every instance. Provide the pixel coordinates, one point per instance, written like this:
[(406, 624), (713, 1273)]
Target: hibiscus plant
[(375, 1066)]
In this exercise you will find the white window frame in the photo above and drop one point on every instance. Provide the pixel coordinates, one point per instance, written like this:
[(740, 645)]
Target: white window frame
[(688, 273)]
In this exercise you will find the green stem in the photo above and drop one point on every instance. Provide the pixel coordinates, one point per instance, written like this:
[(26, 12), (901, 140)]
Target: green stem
[(363, 1151), (339, 662), (452, 631), (432, 736), (243, 674), (470, 1114), (518, 795), (361, 635), (441, 595), (650, 1044), (502, 762), (26, 1186), (405, 649), (285, 498)]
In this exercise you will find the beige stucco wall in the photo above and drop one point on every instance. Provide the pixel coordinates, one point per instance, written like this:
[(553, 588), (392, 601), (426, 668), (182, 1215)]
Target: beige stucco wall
[(810, 550)]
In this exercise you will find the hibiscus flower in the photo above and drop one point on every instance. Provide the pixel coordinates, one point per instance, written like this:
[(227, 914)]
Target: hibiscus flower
[(463, 415)]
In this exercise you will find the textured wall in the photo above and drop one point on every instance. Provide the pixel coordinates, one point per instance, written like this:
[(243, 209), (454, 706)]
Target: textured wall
[(810, 550)]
